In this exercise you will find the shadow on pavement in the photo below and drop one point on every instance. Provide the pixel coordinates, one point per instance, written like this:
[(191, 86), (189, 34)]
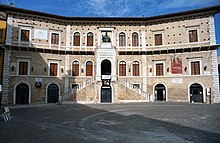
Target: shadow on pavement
[(81, 123)]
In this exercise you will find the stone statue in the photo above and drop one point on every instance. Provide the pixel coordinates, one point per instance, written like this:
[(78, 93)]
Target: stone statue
[(106, 38)]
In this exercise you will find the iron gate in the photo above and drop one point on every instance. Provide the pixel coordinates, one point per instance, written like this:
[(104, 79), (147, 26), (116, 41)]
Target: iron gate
[(52, 93)]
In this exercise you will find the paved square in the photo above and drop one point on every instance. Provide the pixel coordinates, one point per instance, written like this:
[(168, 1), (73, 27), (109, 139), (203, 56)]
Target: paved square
[(110, 123)]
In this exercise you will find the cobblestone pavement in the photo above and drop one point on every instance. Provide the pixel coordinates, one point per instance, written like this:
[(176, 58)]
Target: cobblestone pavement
[(112, 123)]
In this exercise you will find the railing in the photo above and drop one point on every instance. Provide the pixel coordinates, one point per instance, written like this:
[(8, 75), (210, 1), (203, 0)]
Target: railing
[(134, 88), (53, 47), (73, 91)]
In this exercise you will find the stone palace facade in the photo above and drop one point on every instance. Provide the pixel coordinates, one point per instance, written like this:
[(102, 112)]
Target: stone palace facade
[(50, 58)]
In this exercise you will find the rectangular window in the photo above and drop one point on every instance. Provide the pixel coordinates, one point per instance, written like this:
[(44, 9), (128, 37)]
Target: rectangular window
[(53, 69), (158, 39), (1, 33), (195, 68), (25, 34), (75, 85), (55, 38), (159, 69), (136, 86), (193, 37), (23, 68)]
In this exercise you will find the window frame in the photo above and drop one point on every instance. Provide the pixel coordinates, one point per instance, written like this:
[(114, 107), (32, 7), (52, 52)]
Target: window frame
[(92, 40), (71, 85), (155, 68), (18, 67), (162, 35), (139, 67), (134, 87), (193, 28), (92, 68), (125, 40), (72, 68), (138, 39), (55, 32), (58, 69), (200, 66), (193, 37), (119, 68), (20, 32), (80, 38)]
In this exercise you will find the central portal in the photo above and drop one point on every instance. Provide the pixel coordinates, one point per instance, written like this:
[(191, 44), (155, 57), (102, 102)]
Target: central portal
[(106, 67)]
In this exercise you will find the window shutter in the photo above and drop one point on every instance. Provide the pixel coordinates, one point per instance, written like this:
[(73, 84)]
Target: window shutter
[(158, 39), (55, 39), (25, 35), (75, 69), (135, 39), (89, 69), (135, 69), (122, 69), (23, 68), (122, 39), (193, 36), (76, 39), (159, 69), (53, 69), (89, 39)]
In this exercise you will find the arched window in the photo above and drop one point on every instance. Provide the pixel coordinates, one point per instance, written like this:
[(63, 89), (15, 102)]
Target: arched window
[(90, 39), (76, 40), (89, 68), (135, 39), (122, 68), (75, 68), (122, 39), (135, 68)]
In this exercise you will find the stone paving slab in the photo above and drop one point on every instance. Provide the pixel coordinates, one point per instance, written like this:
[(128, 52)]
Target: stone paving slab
[(110, 123)]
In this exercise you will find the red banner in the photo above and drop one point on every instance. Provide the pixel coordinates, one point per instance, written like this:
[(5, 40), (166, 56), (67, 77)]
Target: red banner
[(176, 64)]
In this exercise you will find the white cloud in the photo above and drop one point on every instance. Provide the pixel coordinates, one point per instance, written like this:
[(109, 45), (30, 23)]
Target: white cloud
[(185, 3), (110, 7), (7, 1), (125, 8)]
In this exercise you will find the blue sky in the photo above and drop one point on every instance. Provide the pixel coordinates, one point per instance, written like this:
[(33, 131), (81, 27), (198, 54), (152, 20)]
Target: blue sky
[(116, 8)]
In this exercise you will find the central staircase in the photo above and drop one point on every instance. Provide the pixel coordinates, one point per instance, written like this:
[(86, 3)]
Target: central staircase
[(73, 95)]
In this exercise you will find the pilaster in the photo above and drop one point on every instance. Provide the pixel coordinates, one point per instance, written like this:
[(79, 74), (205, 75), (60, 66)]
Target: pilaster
[(9, 30), (5, 82), (67, 69)]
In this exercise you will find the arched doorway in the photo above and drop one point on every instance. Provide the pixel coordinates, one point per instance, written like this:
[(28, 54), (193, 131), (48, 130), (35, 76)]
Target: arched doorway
[(52, 93), (106, 67), (196, 93), (160, 92), (22, 94)]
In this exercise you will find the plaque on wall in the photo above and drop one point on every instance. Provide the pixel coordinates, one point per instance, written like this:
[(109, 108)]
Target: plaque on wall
[(177, 80), (40, 34)]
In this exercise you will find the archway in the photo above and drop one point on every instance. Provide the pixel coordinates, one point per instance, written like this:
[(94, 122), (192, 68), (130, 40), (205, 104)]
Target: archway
[(52, 93), (22, 94), (196, 92), (106, 67), (160, 92)]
